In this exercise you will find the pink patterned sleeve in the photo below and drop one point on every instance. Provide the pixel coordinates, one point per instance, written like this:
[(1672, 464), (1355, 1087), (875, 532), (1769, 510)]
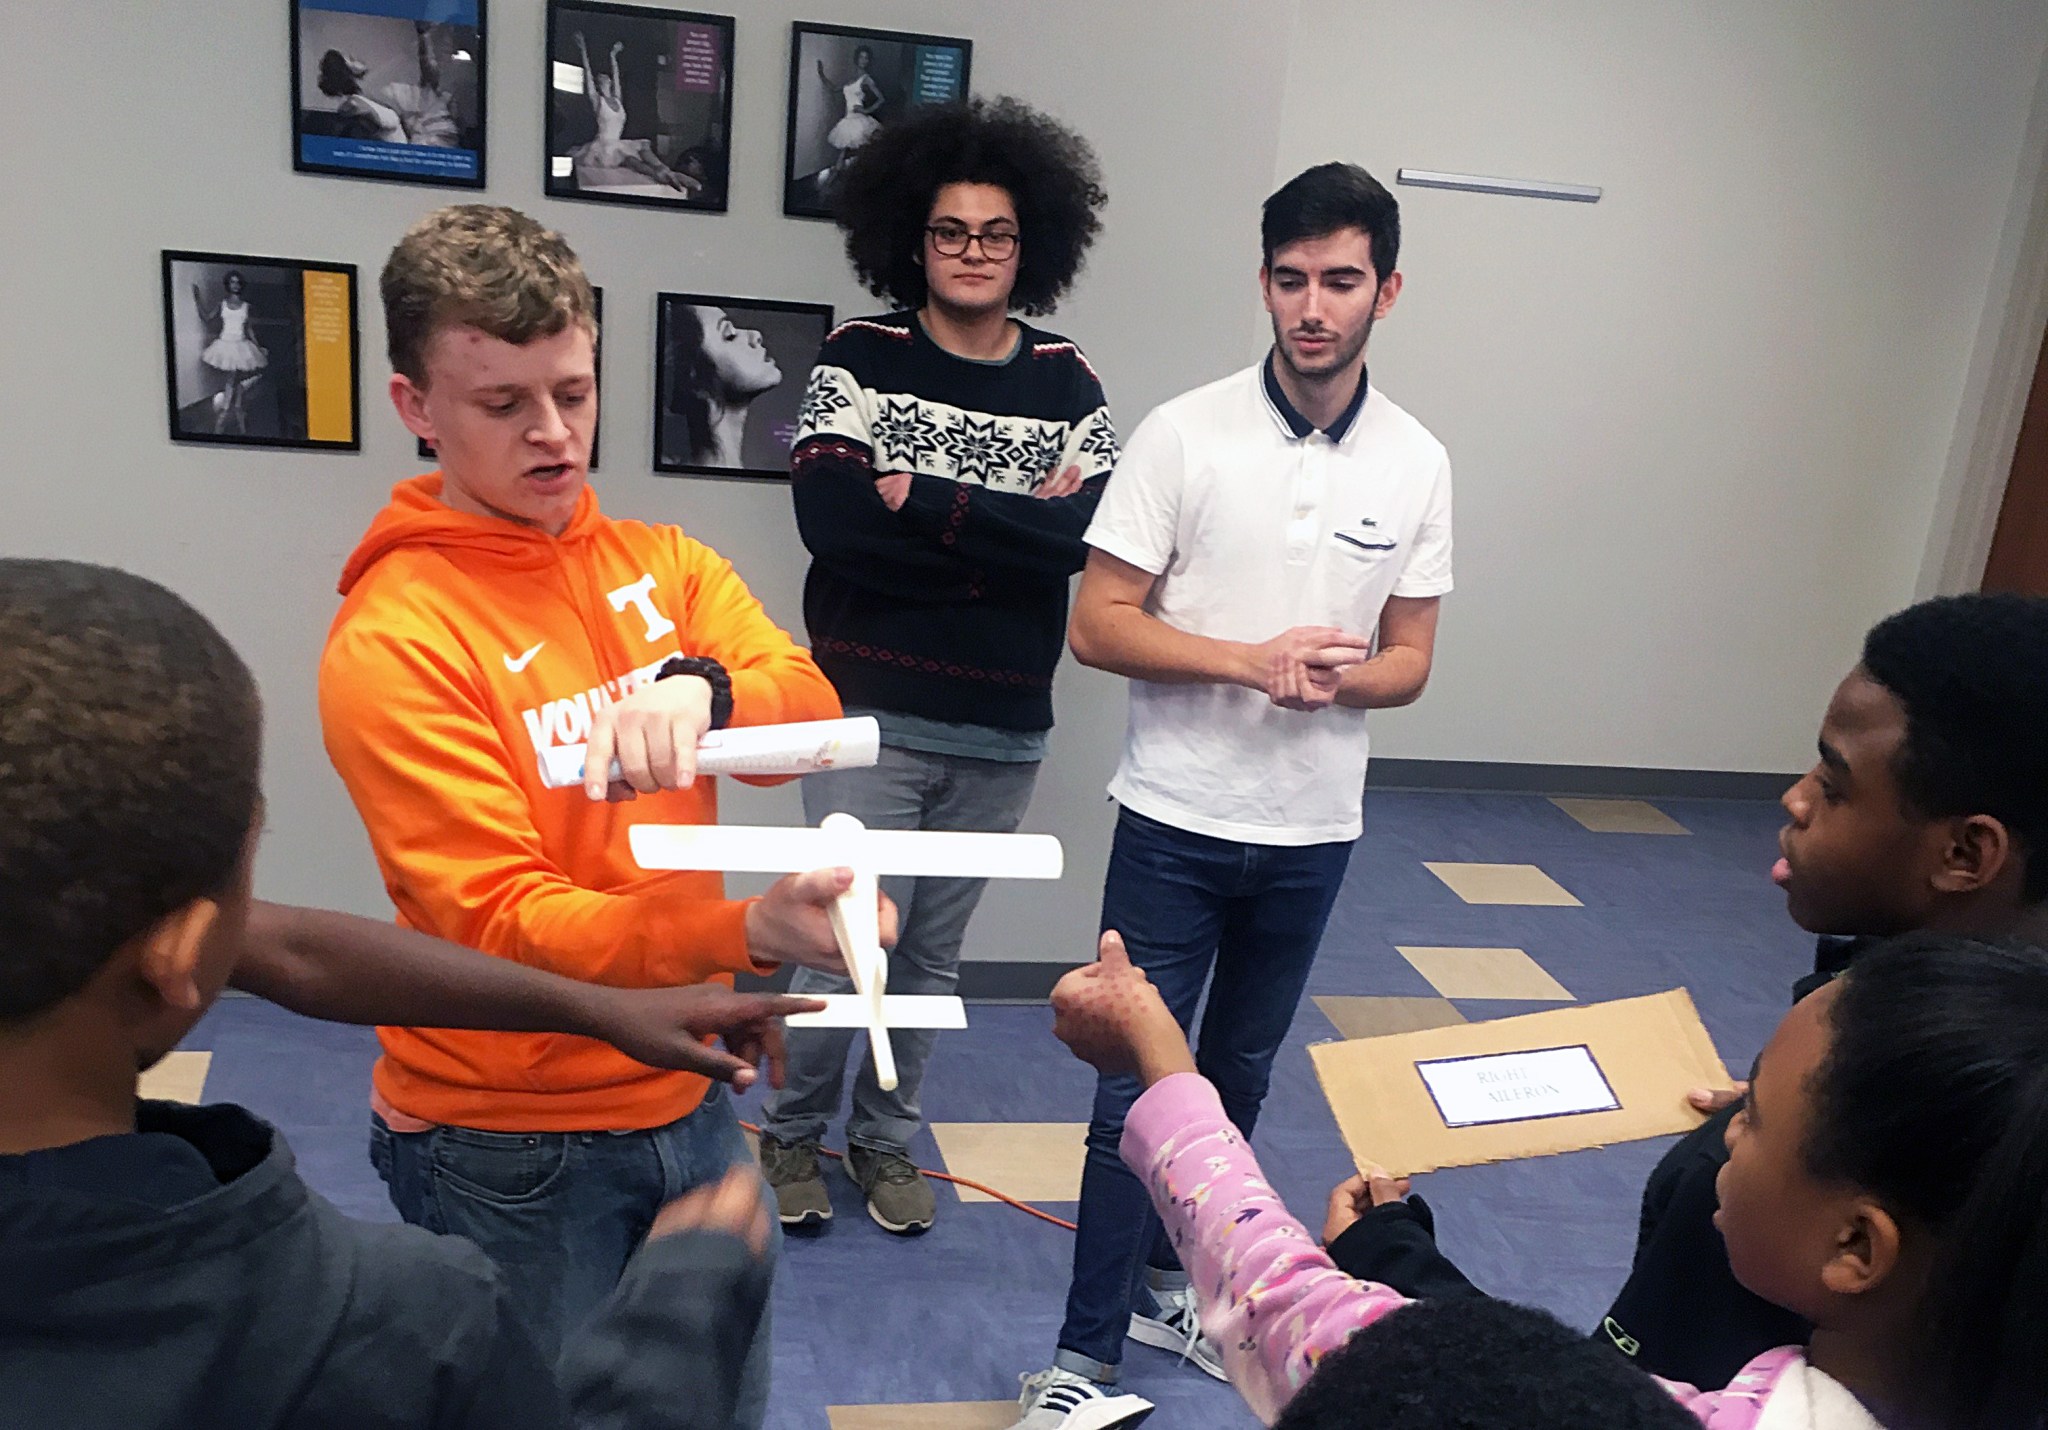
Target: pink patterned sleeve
[(1269, 1297)]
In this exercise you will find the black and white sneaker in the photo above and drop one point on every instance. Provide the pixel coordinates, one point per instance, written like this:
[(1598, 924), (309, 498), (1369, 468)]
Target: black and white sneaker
[(1058, 1399), (1176, 1329)]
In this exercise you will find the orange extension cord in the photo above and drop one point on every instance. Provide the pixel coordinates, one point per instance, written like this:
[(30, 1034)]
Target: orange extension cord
[(967, 1182)]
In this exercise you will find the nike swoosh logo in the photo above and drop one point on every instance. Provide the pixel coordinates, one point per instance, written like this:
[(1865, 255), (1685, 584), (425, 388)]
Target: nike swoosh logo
[(515, 666)]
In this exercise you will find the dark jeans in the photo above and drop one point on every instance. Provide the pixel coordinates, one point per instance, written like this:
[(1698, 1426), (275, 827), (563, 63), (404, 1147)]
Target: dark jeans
[(1186, 903), (562, 1212)]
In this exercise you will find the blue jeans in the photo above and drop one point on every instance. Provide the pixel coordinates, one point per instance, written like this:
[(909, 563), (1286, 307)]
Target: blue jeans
[(1186, 903), (904, 789), (562, 1212)]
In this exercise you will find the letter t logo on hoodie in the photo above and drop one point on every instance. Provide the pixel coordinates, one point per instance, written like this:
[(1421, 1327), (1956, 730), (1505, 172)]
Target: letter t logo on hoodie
[(640, 594)]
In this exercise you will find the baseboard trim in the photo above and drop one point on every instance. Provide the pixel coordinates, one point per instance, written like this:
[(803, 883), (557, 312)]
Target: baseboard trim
[(1486, 776), (980, 982)]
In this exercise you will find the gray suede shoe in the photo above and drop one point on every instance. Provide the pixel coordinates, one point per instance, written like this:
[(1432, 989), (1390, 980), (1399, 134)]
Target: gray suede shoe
[(899, 1197), (792, 1169)]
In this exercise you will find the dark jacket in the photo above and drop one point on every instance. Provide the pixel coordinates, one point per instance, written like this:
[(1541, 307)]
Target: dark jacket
[(184, 1275)]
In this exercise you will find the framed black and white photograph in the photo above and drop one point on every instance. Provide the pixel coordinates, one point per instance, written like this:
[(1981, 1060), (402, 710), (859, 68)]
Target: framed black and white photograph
[(426, 448), (729, 378), (389, 89), (845, 84), (639, 105), (260, 352)]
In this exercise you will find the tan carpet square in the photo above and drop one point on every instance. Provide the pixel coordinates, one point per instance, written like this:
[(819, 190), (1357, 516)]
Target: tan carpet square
[(1502, 884), (1376, 1017), (1486, 973), (939, 1415), (180, 1077), (1031, 1161), (1620, 816)]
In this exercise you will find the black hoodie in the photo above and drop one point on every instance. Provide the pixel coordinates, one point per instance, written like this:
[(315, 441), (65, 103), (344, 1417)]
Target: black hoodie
[(184, 1275)]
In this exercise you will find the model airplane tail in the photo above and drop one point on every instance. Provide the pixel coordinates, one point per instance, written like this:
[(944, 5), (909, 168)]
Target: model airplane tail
[(797, 749)]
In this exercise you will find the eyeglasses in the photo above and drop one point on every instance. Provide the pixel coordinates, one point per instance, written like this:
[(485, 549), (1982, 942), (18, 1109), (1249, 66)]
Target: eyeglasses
[(950, 240)]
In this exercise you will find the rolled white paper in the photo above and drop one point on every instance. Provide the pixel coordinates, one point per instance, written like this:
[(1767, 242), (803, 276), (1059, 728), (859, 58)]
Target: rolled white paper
[(802, 748)]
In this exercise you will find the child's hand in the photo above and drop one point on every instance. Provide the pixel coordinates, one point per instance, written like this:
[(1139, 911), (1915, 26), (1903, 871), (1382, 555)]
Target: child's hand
[(1113, 1018), (1712, 1099), (732, 1205), (1353, 1197)]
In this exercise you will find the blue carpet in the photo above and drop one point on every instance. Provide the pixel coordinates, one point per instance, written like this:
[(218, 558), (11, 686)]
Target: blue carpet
[(863, 1317)]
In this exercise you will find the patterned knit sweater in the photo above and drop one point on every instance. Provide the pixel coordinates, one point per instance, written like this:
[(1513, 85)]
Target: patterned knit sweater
[(954, 607)]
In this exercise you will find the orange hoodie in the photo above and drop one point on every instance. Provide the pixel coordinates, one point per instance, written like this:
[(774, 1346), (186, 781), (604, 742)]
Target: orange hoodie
[(464, 645)]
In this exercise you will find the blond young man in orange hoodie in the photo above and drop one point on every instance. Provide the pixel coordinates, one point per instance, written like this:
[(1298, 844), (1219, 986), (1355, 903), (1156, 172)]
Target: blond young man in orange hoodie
[(490, 612)]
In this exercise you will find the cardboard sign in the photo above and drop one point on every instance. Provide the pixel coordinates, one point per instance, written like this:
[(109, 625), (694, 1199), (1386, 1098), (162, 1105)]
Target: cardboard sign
[(1572, 1077), (1517, 1087)]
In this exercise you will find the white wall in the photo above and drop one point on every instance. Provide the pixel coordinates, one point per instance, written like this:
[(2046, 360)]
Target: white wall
[(1698, 426), (181, 140)]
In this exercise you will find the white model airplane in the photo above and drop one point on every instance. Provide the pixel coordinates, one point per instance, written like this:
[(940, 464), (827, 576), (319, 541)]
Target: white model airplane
[(842, 841)]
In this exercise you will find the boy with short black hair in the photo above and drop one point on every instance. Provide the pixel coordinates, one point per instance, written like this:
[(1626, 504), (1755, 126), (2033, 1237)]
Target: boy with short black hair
[(165, 1265), (1927, 809)]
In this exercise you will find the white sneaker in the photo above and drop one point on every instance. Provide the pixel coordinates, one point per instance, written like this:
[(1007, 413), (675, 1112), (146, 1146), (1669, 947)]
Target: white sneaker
[(1177, 1329), (1058, 1399)]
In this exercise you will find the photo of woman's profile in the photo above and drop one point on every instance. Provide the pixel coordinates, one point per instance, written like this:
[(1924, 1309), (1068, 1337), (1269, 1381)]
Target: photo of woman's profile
[(237, 357), (716, 371)]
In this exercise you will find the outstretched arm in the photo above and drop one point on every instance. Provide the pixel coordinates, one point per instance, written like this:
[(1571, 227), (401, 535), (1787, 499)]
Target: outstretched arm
[(589, 76), (1268, 1295), (430, 68), (618, 89), (346, 969)]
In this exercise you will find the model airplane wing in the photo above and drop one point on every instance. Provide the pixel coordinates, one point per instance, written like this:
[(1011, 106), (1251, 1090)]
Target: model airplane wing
[(899, 1010), (753, 849)]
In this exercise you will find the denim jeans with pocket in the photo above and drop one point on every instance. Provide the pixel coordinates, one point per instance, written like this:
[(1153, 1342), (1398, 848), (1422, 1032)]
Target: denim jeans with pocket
[(562, 1212), (1186, 904)]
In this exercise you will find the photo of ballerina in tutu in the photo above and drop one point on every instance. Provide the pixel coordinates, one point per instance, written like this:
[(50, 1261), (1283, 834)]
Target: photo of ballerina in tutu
[(639, 104), (260, 351), (845, 84), (238, 358)]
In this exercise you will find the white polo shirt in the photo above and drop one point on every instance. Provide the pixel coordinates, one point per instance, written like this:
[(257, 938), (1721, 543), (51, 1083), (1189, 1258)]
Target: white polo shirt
[(1255, 522)]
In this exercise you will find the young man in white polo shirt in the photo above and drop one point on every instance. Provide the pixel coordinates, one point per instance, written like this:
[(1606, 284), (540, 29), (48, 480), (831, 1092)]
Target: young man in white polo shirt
[(1267, 565)]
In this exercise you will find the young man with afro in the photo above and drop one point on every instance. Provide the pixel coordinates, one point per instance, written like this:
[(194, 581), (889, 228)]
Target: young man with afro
[(948, 459)]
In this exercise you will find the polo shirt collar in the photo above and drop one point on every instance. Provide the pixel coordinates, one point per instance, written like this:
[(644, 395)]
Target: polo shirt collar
[(1290, 418)]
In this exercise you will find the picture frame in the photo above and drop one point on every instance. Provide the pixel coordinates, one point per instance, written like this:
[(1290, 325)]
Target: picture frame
[(261, 352), (391, 89), (638, 105), (845, 85), (426, 448), (729, 381)]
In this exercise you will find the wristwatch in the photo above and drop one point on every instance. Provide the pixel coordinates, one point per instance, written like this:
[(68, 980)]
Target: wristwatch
[(712, 674)]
